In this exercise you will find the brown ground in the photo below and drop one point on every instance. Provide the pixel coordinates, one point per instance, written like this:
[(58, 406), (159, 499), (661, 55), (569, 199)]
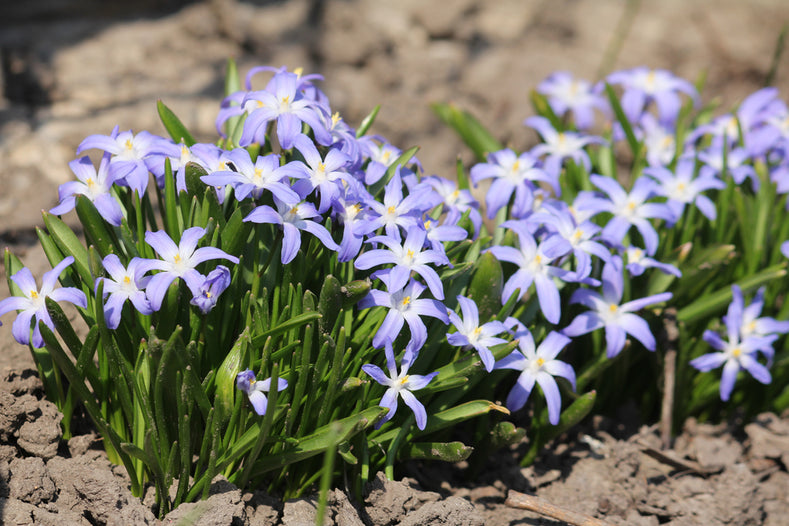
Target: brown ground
[(73, 68)]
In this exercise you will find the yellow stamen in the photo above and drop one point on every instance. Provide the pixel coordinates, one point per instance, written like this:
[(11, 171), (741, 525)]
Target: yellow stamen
[(404, 379), (406, 300), (335, 118), (736, 352), (126, 280), (34, 294), (90, 182), (613, 308), (299, 72), (540, 361), (427, 224), (128, 144), (177, 258), (391, 210)]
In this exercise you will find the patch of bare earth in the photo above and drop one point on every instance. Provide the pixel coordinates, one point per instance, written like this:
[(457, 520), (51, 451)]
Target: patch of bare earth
[(713, 476)]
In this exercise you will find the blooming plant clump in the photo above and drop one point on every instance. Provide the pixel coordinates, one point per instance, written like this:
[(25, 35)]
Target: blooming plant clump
[(257, 306)]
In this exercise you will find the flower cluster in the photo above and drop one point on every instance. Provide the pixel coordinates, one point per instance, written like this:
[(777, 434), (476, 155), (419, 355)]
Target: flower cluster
[(397, 276)]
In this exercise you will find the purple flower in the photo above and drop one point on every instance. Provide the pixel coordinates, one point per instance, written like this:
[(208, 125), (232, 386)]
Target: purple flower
[(292, 218), (404, 306), (511, 173), (381, 158), (406, 258), (351, 211), (533, 263), (95, 185), (538, 365), (178, 261), (638, 262), (131, 155), (125, 284), (607, 312), (397, 212), (681, 189), (559, 218), (750, 324), (252, 179), (33, 303), (206, 294), (319, 173), (438, 234), (456, 202), (245, 381), (736, 164), (629, 209), (739, 352), (283, 101), (559, 146), (471, 334), (567, 94), (400, 384), (660, 141), (643, 85)]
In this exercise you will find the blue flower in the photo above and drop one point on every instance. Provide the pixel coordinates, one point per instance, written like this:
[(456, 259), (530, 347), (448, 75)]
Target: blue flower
[(253, 178), (245, 381), (559, 146), (178, 261), (643, 85), (739, 351), (567, 94), (33, 304), (534, 266), (283, 101), (400, 385), (206, 294), (538, 365), (406, 258), (292, 219), (511, 173), (471, 334), (405, 306), (629, 209), (95, 185), (125, 284), (607, 312)]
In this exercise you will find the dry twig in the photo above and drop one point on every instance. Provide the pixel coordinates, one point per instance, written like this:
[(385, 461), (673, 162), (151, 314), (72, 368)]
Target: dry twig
[(537, 505)]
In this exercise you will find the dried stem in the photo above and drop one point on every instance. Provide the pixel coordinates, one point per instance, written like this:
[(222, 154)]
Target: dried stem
[(545, 508)]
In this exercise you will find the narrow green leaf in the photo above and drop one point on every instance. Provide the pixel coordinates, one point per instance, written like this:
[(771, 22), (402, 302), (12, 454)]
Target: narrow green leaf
[(173, 125), (632, 141), (486, 286), (367, 122), (69, 244), (476, 136)]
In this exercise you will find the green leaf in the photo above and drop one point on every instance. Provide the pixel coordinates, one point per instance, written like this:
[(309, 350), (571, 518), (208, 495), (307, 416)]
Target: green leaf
[(367, 122), (173, 125), (444, 451), (69, 244), (193, 173), (355, 291), (318, 442), (476, 136), (710, 304), (455, 415), (96, 232), (291, 323), (632, 141), (234, 362), (486, 286), (330, 303)]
